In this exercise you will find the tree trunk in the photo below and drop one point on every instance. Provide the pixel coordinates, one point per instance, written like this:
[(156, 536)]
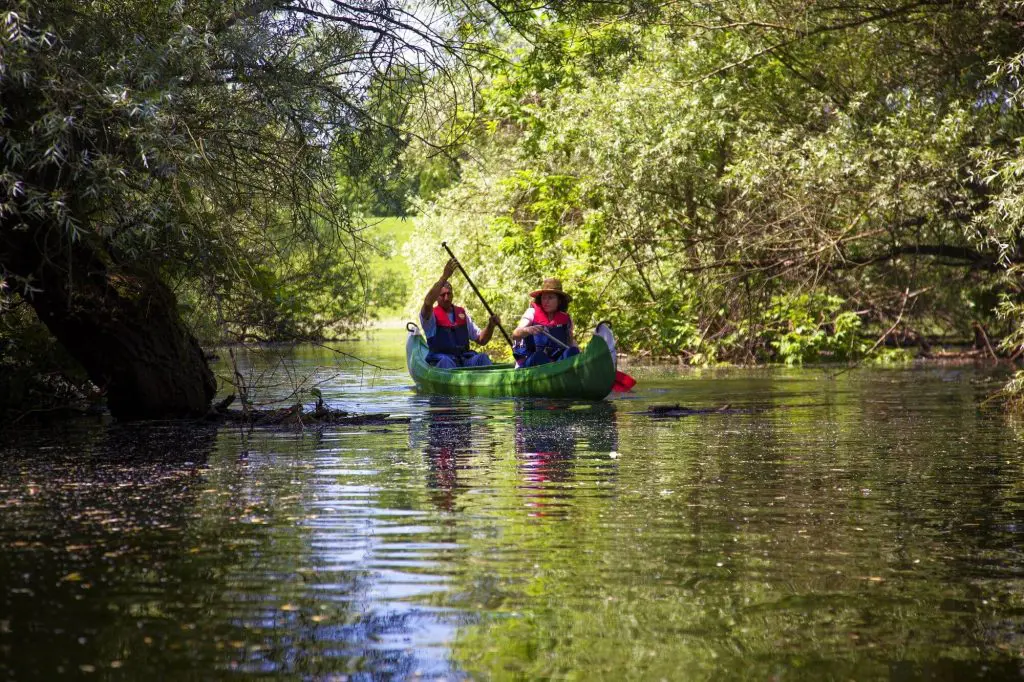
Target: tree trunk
[(137, 348), (124, 329)]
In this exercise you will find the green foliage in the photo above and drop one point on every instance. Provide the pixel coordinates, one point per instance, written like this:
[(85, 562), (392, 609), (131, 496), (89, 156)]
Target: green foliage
[(1000, 225), (306, 295), (693, 184), (889, 357), (384, 166), (154, 137), (730, 183), (36, 374), (805, 328)]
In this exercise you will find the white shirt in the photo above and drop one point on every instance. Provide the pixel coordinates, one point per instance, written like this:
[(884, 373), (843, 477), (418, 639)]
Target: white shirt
[(429, 325)]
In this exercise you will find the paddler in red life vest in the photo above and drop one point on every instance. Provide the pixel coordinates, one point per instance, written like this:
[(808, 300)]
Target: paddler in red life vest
[(449, 328), (546, 317)]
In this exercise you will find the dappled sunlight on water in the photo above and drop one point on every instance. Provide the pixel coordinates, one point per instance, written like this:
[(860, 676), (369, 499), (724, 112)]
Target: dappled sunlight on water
[(868, 526)]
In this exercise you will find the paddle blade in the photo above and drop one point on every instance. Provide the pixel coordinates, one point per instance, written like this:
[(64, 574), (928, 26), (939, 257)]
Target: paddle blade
[(623, 382)]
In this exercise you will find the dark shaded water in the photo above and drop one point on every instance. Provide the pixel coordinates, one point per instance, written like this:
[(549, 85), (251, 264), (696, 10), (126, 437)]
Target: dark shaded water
[(865, 527)]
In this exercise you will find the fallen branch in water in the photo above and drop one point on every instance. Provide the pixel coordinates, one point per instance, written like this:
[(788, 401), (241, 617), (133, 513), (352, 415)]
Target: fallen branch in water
[(676, 410), (296, 416)]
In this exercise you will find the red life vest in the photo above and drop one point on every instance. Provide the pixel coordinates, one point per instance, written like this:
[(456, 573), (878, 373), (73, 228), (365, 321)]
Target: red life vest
[(444, 321), (557, 325), (451, 338), (559, 319)]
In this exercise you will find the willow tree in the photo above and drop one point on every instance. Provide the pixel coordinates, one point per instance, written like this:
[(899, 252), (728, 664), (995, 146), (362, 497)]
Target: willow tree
[(151, 144)]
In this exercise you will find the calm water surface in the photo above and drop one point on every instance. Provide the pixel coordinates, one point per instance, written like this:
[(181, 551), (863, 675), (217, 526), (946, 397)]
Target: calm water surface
[(868, 526)]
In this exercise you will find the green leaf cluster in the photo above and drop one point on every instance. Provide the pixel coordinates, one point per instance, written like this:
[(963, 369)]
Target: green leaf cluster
[(806, 328)]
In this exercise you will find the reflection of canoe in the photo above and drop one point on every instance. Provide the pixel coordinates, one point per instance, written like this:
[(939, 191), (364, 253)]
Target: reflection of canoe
[(588, 376)]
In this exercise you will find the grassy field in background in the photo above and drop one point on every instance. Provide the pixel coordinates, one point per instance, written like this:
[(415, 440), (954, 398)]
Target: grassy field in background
[(399, 229)]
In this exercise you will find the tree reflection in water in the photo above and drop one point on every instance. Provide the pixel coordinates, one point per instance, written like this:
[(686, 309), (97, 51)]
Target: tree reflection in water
[(90, 533)]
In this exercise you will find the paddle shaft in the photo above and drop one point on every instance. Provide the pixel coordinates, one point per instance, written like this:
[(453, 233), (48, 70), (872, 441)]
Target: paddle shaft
[(558, 341), (477, 292)]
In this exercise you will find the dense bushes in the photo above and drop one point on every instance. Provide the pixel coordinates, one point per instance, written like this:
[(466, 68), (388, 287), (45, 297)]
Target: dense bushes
[(775, 187)]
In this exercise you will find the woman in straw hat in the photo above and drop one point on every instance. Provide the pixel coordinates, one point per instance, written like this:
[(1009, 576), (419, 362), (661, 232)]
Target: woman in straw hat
[(545, 332)]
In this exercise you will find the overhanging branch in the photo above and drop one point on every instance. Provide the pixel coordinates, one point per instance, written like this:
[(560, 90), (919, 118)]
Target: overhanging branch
[(956, 256)]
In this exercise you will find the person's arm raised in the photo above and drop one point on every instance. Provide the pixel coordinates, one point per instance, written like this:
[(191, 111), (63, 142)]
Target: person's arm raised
[(435, 291)]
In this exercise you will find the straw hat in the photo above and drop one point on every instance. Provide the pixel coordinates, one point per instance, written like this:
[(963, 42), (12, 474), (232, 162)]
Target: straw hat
[(551, 285)]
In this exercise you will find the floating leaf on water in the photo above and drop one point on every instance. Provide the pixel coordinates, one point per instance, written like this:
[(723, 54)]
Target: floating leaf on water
[(72, 577), (289, 607)]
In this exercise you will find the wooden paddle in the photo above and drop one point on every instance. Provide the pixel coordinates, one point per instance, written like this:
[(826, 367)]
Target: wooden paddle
[(476, 291)]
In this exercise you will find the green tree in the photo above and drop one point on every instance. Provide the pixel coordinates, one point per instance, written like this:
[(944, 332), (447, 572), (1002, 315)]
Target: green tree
[(733, 156), (153, 149)]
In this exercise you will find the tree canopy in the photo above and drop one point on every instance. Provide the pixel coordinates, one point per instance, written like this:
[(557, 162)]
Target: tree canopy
[(158, 153), (756, 181), (739, 181)]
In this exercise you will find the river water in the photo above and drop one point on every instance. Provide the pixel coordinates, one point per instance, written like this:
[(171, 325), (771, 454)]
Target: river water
[(861, 526)]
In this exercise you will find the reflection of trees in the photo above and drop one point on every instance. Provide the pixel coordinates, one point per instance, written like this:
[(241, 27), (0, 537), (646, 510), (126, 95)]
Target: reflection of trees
[(302, 582), (160, 552), (864, 532), (545, 444), (90, 533)]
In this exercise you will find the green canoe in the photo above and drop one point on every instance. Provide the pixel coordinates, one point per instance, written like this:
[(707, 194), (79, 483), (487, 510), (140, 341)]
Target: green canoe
[(587, 376)]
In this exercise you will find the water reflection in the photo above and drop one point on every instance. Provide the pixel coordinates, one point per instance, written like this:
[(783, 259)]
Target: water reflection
[(867, 528), (449, 434), (83, 518), (547, 436)]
